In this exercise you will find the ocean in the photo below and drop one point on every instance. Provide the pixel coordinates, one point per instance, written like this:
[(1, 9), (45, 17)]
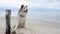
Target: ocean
[(39, 15)]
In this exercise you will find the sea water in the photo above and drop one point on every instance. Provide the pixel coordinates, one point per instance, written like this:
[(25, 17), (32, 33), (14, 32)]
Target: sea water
[(37, 15)]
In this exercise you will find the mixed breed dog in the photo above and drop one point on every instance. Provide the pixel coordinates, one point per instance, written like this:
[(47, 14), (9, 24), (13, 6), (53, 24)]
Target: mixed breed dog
[(21, 19)]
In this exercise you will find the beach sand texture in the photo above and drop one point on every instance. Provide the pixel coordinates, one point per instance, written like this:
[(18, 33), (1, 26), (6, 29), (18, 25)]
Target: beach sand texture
[(33, 26)]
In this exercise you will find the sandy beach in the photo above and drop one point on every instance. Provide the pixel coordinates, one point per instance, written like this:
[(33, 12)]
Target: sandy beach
[(38, 26)]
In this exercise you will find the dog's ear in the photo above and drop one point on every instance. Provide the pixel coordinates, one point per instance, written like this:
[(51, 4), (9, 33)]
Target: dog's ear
[(26, 9)]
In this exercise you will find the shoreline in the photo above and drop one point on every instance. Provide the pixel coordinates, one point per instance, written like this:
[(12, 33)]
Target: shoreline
[(32, 19)]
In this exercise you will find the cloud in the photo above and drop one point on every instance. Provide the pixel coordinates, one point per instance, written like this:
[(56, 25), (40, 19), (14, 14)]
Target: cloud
[(51, 4), (11, 3), (54, 5)]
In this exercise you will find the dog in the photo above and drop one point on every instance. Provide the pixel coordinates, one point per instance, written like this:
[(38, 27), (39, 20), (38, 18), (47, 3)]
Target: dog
[(21, 17)]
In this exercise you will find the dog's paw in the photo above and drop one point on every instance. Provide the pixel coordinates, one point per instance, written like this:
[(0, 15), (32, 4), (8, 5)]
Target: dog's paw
[(13, 32)]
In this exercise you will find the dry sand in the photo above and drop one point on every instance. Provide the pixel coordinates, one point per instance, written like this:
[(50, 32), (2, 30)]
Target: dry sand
[(36, 26)]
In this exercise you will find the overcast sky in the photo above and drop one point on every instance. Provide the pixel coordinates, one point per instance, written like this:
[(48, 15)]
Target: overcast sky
[(51, 4)]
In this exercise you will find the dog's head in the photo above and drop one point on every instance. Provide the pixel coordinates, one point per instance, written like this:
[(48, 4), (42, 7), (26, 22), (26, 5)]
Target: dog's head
[(23, 10)]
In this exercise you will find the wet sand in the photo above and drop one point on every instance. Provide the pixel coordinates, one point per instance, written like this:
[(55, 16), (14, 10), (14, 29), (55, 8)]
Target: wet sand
[(36, 26)]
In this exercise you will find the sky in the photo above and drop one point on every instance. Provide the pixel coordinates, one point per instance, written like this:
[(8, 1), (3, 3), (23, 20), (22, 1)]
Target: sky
[(43, 9), (49, 4)]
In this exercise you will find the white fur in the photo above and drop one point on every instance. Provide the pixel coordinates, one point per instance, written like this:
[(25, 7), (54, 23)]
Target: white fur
[(20, 20)]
